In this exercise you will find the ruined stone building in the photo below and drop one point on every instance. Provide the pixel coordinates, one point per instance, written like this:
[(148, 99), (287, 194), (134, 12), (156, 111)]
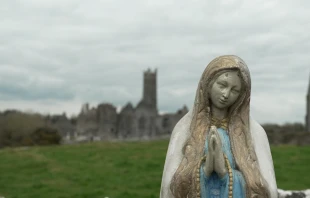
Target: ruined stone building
[(308, 108), (140, 122), (60, 122)]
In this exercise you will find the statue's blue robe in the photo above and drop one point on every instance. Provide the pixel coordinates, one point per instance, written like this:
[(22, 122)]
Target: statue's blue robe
[(215, 187)]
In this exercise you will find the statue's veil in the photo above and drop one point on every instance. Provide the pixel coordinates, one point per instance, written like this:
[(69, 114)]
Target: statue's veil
[(182, 133)]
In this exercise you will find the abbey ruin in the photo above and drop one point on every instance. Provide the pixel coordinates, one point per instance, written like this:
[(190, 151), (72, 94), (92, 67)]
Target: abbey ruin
[(132, 122), (143, 121)]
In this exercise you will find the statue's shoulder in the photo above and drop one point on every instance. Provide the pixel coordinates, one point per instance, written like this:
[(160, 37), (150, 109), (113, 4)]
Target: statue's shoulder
[(257, 131), (183, 123), (180, 134), (174, 155), (262, 148)]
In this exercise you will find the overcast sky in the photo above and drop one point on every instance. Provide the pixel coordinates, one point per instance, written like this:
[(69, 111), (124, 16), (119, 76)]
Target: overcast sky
[(56, 55)]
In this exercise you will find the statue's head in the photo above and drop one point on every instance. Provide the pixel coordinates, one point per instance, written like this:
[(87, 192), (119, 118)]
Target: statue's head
[(225, 89), (225, 83)]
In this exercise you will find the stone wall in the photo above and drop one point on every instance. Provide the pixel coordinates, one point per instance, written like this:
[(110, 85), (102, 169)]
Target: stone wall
[(142, 122), (166, 122), (107, 120), (126, 125), (60, 122), (87, 122)]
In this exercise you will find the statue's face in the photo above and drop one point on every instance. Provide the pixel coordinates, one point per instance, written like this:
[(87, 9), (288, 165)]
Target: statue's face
[(225, 90)]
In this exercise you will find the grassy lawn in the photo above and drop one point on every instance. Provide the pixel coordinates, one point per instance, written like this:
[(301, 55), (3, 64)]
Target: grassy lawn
[(114, 170)]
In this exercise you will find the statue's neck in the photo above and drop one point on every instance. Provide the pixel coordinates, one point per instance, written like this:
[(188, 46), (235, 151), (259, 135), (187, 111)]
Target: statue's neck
[(218, 113)]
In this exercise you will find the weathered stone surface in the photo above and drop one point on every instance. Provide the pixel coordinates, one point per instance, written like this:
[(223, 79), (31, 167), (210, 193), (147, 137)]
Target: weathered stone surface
[(61, 123), (107, 120), (126, 122)]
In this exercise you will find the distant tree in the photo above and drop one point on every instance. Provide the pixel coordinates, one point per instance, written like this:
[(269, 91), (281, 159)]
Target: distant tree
[(288, 133), (45, 136), (15, 126)]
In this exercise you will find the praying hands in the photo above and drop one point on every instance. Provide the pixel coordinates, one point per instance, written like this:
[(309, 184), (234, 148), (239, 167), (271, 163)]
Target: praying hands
[(215, 157)]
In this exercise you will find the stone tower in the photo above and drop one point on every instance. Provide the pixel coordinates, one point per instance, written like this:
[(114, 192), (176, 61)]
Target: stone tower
[(308, 109), (149, 89), (146, 111)]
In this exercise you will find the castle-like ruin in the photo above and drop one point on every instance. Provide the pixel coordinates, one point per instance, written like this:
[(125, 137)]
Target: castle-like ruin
[(140, 122), (104, 122)]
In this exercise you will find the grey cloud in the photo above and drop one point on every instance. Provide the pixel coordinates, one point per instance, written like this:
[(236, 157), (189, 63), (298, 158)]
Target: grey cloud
[(15, 92), (17, 84), (97, 51)]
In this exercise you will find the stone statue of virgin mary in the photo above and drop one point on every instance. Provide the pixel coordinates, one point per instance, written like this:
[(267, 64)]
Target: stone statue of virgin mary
[(217, 150)]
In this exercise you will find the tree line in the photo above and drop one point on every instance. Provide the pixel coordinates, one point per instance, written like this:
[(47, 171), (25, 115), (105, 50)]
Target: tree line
[(26, 129)]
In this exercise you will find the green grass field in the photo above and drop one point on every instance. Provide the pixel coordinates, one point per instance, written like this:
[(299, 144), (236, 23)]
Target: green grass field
[(114, 170)]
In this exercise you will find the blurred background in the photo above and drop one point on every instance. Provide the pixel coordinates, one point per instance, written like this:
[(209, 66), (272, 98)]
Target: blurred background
[(96, 87)]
